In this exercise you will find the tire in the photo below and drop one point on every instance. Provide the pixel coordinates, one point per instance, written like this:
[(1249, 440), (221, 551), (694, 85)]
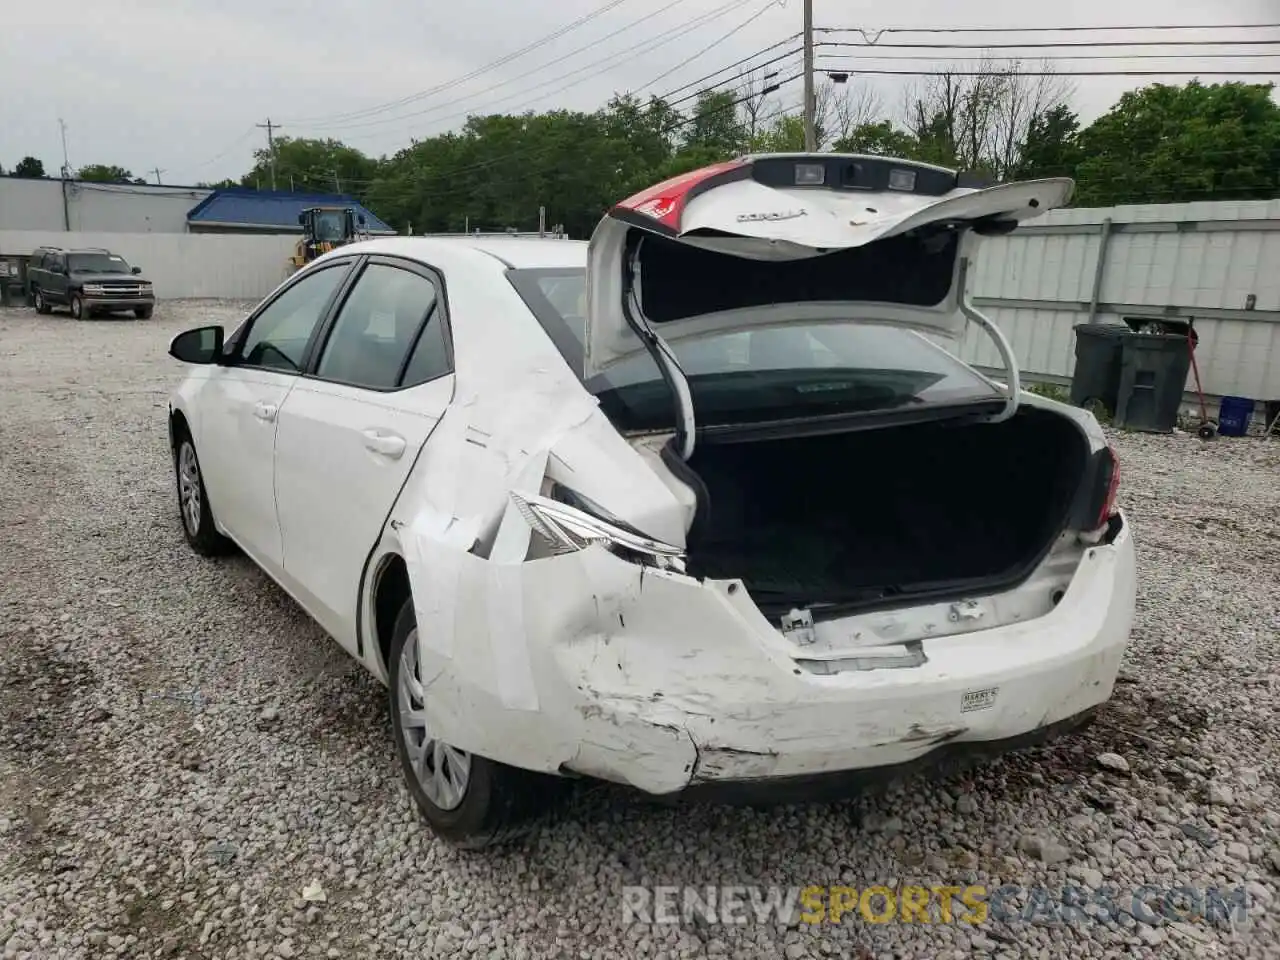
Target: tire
[(143, 313), (495, 803), (193, 501), (41, 304), (77, 307)]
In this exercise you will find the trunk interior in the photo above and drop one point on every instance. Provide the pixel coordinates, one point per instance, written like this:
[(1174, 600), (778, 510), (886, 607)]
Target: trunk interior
[(878, 515)]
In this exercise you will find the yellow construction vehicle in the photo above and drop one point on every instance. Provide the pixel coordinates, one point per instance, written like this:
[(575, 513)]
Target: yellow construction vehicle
[(323, 229)]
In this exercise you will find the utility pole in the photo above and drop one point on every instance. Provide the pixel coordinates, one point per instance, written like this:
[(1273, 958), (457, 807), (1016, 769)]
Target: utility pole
[(337, 184), (542, 221), (271, 129), (66, 164), (810, 101), (66, 175), (157, 171)]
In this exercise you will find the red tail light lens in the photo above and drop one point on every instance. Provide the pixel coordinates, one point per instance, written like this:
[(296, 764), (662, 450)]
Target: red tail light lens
[(665, 201), (1111, 476)]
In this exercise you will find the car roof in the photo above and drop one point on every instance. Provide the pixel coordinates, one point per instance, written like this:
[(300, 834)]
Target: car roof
[(520, 253)]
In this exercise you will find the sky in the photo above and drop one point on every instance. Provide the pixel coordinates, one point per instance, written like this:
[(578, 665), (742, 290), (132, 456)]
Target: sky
[(180, 85)]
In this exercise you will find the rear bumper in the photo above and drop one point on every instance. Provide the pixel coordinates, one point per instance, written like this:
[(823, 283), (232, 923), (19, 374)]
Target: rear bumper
[(669, 684)]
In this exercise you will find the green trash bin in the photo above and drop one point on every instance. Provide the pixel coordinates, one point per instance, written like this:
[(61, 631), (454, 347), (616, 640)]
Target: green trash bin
[(1153, 377), (1099, 351)]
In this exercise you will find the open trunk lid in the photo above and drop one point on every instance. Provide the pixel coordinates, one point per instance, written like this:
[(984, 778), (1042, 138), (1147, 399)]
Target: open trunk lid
[(771, 239)]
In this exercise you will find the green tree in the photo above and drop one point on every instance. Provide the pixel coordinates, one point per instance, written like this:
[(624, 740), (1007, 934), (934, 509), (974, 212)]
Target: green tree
[(1175, 144), (106, 173), (879, 138), (312, 166), (715, 128), (29, 167), (1051, 147)]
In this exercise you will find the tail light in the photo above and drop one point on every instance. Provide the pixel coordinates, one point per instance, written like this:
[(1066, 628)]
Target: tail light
[(1111, 479)]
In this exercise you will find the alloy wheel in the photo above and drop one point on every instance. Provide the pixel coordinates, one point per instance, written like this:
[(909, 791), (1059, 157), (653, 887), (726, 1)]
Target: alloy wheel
[(442, 771), (189, 487)]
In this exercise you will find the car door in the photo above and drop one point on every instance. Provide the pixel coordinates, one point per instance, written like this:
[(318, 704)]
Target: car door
[(241, 402), (351, 430), (56, 278)]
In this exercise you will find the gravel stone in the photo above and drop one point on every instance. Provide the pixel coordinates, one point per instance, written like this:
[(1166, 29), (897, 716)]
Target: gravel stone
[(240, 755), (1113, 761)]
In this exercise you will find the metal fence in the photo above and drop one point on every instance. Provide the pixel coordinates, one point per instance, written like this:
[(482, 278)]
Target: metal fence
[(1217, 264)]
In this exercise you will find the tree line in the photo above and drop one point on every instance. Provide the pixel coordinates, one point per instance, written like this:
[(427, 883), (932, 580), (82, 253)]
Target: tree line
[(1158, 144)]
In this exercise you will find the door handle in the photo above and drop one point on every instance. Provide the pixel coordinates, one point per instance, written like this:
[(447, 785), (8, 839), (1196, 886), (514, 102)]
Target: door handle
[(386, 444), (265, 411)]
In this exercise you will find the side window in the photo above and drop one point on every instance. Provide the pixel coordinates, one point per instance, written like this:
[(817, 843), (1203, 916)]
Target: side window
[(278, 336), (377, 327), (58, 263)]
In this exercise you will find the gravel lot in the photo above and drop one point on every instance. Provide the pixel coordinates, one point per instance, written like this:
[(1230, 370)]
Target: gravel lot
[(137, 823)]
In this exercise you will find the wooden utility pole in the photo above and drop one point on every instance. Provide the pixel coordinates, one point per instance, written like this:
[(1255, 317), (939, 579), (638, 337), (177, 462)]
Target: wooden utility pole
[(157, 171), (271, 129), (810, 101)]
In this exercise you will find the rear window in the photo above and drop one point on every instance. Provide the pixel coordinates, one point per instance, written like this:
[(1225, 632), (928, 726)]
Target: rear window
[(751, 376)]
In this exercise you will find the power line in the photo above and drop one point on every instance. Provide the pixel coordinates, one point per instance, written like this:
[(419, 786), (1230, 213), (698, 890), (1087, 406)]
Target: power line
[(1063, 73), (737, 63), (492, 65), (1056, 58), (537, 69), (1045, 45), (1068, 29), (715, 43), (611, 61)]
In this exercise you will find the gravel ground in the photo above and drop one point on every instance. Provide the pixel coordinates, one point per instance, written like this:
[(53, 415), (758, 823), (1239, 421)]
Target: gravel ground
[(182, 751)]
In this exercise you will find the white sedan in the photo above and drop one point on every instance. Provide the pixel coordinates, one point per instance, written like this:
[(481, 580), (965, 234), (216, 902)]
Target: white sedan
[(704, 506)]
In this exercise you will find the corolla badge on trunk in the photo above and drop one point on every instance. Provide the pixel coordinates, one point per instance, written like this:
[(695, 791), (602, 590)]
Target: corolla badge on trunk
[(771, 216)]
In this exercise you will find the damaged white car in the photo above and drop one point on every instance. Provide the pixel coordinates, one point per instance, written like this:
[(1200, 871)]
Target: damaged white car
[(706, 505)]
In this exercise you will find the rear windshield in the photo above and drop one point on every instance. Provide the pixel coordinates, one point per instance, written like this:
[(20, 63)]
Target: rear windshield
[(97, 263), (753, 376)]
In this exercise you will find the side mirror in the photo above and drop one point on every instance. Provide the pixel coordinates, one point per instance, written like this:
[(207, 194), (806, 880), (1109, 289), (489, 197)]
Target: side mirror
[(360, 219), (302, 219), (201, 345), (136, 271)]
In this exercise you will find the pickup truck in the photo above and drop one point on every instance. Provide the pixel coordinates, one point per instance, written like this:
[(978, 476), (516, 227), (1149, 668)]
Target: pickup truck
[(88, 282)]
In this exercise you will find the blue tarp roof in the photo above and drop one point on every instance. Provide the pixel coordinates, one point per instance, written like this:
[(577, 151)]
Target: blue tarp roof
[(272, 208)]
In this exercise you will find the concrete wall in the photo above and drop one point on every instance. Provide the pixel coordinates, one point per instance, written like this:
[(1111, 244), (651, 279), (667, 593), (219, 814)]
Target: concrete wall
[(95, 207), (1216, 263), (182, 265)]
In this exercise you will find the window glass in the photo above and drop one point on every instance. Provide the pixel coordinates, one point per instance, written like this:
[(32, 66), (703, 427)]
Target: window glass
[(98, 263), (376, 327), (278, 337), (746, 376)]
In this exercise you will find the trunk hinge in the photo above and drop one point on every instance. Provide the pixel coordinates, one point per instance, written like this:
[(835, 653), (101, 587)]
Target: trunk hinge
[(662, 355), (1013, 388)]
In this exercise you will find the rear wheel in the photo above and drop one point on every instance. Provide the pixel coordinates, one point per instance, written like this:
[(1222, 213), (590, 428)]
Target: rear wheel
[(42, 305), (77, 307), (467, 800), (193, 502)]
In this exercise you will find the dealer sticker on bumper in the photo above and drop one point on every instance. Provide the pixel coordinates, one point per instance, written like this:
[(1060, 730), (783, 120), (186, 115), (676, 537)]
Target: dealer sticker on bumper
[(978, 699)]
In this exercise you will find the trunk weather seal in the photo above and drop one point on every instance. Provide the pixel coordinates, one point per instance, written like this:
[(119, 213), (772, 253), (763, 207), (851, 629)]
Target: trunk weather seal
[(668, 365)]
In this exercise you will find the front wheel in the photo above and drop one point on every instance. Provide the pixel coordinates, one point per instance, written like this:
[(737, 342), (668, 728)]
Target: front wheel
[(142, 313), (193, 502), (467, 800), (77, 307)]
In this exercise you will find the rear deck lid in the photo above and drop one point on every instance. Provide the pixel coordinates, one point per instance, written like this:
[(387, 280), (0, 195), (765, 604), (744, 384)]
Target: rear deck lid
[(767, 240)]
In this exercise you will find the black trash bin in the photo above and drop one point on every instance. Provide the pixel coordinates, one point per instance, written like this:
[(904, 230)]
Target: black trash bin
[(1096, 378), (1153, 378)]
